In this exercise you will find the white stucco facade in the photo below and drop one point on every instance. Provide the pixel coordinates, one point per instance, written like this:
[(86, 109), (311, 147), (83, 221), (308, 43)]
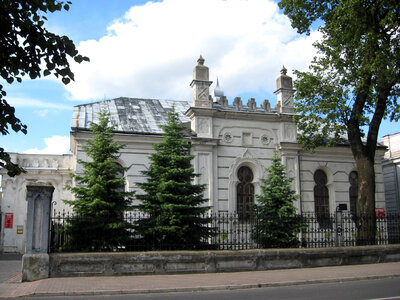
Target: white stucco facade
[(391, 172), (41, 170), (224, 138)]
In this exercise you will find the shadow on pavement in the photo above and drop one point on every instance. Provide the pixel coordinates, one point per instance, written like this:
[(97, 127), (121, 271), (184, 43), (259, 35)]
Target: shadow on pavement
[(11, 256), (10, 267)]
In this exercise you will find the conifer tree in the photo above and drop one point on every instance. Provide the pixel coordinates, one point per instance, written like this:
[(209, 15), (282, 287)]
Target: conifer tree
[(278, 222), (171, 199), (98, 222)]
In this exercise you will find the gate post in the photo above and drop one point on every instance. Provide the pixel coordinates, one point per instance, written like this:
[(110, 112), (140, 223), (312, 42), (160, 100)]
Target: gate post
[(38, 218), (339, 224), (36, 263)]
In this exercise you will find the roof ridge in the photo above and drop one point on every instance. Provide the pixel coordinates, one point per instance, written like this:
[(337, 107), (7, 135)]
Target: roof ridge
[(130, 98)]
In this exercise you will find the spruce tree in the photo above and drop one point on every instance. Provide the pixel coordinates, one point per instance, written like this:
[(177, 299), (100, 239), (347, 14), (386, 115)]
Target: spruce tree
[(100, 199), (278, 222), (172, 202)]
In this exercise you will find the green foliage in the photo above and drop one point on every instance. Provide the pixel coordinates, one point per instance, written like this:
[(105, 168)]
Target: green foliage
[(27, 48), (100, 197), (7, 117), (170, 198), (278, 223), (354, 81)]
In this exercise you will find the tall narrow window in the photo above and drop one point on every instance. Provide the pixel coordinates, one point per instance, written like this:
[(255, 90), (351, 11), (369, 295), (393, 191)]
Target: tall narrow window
[(321, 198), (120, 175), (245, 192), (353, 191)]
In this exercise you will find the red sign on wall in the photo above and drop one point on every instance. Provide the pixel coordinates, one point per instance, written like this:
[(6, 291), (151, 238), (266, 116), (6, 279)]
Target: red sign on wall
[(380, 212), (8, 220)]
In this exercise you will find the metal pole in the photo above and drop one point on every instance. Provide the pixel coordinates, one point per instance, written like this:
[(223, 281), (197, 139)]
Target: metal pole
[(339, 224)]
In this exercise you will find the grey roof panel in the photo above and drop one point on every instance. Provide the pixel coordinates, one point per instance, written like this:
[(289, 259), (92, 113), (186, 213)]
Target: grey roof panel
[(130, 114)]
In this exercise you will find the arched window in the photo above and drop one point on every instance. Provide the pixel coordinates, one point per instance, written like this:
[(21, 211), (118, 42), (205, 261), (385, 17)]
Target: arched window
[(321, 198), (120, 175), (245, 192), (353, 191)]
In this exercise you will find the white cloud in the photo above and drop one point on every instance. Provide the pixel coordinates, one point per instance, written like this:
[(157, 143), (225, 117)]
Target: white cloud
[(151, 51), (54, 145), (26, 102), (41, 113)]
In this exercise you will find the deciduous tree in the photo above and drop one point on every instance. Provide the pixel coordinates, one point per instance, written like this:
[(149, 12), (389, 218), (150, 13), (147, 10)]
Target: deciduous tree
[(353, 83), (28, 49)]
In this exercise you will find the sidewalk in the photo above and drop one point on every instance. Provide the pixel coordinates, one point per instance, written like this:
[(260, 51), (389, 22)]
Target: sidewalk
[(196, 282)]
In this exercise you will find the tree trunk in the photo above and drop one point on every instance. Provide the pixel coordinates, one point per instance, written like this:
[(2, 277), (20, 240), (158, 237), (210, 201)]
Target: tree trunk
[(365, 207)]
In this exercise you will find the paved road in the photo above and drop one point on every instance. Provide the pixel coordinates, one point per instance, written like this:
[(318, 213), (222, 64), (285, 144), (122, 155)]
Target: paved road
[(255, 282), (354, 290), (10, 268)]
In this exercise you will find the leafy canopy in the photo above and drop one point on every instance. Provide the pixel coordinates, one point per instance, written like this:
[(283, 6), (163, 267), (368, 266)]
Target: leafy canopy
[(353, 83), (28, 49), (101, 199), (172, 201)]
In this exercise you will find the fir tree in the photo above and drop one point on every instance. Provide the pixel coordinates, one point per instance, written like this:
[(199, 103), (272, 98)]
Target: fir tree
[(171, 199), (278, 222), (98, 222)]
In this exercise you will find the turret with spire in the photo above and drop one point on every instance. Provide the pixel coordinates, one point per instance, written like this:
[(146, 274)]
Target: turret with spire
[(201, 85), (284, 92)]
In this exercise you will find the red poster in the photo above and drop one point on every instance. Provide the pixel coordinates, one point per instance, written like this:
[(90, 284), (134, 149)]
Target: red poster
[(8, 220), (380, 212)]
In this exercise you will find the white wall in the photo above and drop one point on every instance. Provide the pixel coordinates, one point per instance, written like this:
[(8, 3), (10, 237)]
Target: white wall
[(42, 170)]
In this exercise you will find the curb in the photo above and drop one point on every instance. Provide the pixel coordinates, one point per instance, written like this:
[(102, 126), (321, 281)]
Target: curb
[(207, 288)]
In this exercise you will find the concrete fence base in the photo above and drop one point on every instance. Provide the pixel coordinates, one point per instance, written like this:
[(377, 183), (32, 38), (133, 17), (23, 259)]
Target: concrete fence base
[(178, 262), (35, 266)]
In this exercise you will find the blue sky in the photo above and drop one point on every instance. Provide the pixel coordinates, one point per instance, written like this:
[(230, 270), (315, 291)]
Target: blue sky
[(43, 104), (148, 49)]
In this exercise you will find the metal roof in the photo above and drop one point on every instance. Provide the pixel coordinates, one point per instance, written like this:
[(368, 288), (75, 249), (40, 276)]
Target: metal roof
[(131, 115)]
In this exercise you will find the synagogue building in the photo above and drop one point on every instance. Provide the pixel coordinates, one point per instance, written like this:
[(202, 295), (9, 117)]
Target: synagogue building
[(233, 141)]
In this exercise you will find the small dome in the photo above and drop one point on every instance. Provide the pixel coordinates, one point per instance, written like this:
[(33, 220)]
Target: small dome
[(218, 92)]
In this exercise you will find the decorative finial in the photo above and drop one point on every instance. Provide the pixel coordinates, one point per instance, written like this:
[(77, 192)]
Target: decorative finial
[(201, 60), (218, 92), (283, 71)]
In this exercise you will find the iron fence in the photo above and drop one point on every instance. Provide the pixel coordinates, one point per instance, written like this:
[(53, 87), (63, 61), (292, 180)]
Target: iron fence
[(343, 229), (231, 231)]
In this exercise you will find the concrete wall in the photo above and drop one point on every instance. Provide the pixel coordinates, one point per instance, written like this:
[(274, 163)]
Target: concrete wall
[(173, 262)]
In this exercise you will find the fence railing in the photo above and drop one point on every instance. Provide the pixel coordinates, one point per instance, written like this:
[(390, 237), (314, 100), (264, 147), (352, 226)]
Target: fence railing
[(232, 231), (341, 229)]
